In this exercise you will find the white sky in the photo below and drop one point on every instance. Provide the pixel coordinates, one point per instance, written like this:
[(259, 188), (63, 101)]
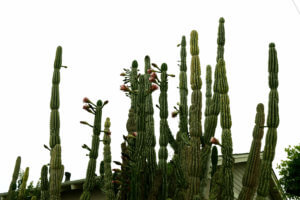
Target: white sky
[(100, 39)]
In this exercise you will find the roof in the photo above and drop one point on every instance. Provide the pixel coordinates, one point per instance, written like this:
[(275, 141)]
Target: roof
[(275, 189)]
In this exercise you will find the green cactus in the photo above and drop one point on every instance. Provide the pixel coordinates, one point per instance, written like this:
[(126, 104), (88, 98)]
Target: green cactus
[(250, 177), (44, 183), (150, 135), (164, 129), (227, 162), (13, 183), (221, 39), (56, 168), (22, 190), (272, 123), (89, 183), (214, 163), (108, 187), (33, 198), (195, 119)]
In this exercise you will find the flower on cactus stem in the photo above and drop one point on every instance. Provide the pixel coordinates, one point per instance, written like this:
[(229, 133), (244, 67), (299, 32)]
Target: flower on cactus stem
[(153, 74), (86, 100), (153, 87), (149, 71), (174, 114), (214, 140), (124, 88), (152, 79)]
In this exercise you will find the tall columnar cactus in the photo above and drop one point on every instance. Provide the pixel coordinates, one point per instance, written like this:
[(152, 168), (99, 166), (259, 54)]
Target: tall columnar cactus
[(195, 119), (227, 162), (164, 130), (13, 183), (56, 173), (221, 39), (108, 187), (250, 177), (21, 195), (56, 168), (150, 135), (44, 183), (272, 123), (89, 183)]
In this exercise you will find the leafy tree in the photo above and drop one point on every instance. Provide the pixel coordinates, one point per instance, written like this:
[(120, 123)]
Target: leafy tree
[(290, 172)]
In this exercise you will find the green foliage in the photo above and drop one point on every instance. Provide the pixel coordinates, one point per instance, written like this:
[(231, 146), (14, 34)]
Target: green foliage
[(290, 173)]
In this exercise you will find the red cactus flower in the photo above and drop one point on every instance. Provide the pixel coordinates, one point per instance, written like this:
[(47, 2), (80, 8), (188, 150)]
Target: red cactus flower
[(149, 71), (214, 140), (86, 100), (174, 114), (124, 88), (153, 74), (153, 87), (152, 79)]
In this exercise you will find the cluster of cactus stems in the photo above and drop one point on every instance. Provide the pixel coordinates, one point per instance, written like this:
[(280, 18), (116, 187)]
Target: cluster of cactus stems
[(186, 175)]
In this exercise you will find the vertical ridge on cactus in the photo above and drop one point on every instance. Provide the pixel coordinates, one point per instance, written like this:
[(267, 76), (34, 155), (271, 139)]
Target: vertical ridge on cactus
[(13, 183), (89, 182), (56, 168), (250, 176), (272, 123), (195, 119)]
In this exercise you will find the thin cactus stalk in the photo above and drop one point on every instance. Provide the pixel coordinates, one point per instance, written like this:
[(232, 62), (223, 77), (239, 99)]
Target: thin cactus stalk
[(13, 183), (221, 39), (250, 177), (228, 161), (108, 187), (195, 119), (56, 168), (21, 194), (150, 140), (164, 131), (272, 123), (44, 183), (89, 183)]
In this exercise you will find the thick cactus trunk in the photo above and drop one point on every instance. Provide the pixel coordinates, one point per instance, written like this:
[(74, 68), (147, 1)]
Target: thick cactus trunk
[(195, 119), (250, 177), (13, 183), (89, 183), (272, 123), (56, 173)]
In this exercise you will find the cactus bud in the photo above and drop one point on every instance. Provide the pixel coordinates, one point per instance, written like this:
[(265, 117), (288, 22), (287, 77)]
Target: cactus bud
[(124, 88), (149, 71), (214, 140), (105, 102), (153, 87), (86, 100), (123, 74), (134, 134), (152, 79), (174, 114), (153, 74)]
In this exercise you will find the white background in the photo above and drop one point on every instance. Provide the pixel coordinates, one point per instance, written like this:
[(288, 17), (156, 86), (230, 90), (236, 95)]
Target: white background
[(100, 38)]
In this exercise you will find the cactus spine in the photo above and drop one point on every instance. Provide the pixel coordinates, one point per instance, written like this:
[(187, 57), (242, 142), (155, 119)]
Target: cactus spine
[(251, 172), (107, 162), (195, 119), (56, 168), (272, 123), (13, 183), (89, 183), (164, 130), (21, 194), (44, 183)]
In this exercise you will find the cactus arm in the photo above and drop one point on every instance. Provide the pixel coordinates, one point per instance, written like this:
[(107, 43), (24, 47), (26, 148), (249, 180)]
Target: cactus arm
[(21, 194), (107, 162), (13, 183), (44, 183), (250, 177), (272, 123)]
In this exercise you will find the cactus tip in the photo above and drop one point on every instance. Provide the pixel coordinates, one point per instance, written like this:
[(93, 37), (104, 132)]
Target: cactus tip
[(221, 20), (272, 45)]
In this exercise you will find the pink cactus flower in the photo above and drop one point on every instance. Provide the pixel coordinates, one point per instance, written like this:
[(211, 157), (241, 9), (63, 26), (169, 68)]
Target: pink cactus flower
[(152, 79), (86, 100), (153, 87), (149, 71), (153, 74), (124, 88)]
